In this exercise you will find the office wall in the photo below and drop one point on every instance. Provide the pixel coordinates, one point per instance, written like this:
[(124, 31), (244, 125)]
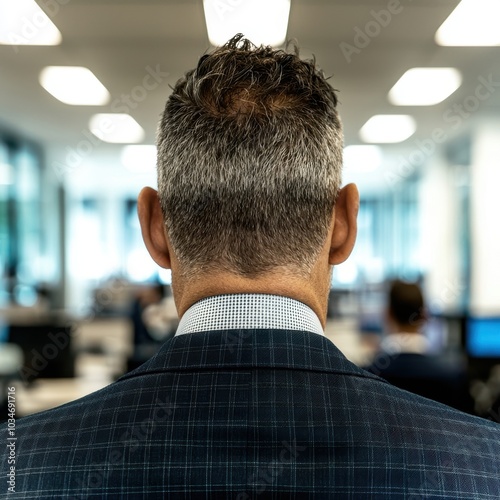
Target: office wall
[(485, 220)]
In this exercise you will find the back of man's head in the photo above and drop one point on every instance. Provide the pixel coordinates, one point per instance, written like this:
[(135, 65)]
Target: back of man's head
[(249, 162), (406, 304)]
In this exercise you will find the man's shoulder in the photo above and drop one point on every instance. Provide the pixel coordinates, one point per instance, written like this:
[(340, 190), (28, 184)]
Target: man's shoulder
[(306, 364), (198, 394)]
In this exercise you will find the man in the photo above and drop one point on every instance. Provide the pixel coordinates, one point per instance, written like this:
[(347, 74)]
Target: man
[(249, 398), (404, 359)]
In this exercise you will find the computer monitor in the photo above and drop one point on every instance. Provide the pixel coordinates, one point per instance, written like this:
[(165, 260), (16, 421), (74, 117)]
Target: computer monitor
[(482, 339), (436, 330), (47, 351)]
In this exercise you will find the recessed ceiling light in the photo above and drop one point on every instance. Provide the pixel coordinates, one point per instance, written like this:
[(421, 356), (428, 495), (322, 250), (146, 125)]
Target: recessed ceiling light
[(261, 21), (472, 23), (425, 86), (74, 85), (116, 128), (362, 158), (140, 158), (388, 128), (23, 22)]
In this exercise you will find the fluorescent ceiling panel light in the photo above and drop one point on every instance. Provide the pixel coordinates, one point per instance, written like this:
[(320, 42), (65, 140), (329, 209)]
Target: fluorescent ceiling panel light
[(388, 128), (116, 128), (74, 85), (139, 158), (261, 21), (472, 23), (23, 22), (425, 86), (362, 158)]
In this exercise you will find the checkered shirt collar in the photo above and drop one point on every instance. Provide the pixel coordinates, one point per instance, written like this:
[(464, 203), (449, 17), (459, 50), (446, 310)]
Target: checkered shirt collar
[(249, 311)]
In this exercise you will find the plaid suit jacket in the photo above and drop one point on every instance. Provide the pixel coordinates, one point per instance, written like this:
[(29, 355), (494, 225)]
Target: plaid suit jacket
[(255, 414)]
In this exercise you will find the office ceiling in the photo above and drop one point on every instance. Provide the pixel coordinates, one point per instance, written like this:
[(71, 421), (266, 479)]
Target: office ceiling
[(120, 40)]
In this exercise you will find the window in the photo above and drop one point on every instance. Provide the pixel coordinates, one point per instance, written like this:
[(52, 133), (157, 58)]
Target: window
[(20, 221)]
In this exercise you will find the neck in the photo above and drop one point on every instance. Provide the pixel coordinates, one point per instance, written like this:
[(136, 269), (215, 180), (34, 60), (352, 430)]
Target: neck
[(307, 291)]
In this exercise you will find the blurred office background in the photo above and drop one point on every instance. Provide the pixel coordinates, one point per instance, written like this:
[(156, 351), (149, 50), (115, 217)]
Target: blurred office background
[(81, 300)]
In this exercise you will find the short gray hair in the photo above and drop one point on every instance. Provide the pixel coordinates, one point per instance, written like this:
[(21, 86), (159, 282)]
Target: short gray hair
[(249, 162)]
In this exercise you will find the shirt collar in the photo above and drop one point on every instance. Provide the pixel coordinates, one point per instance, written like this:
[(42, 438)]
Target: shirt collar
[(249, 311)]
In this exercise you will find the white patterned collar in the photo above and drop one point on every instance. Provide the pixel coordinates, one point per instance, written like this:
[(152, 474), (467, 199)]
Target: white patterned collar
[(249, 311)]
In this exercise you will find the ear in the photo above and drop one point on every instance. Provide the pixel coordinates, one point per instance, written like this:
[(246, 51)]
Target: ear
[(345, 225), (153, 226)]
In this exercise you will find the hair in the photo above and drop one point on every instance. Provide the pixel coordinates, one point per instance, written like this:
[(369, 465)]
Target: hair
[(406, 303), (249, 161)]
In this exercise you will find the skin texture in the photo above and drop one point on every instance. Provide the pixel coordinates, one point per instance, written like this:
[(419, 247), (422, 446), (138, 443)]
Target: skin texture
[(312, 291)]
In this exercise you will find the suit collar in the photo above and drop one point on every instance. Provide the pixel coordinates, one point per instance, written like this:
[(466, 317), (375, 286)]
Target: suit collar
[(247, 349)]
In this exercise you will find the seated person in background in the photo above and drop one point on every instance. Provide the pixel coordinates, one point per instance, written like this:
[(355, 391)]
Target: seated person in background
[(404, 360), (154, 320), (144, 298), (250, 399)]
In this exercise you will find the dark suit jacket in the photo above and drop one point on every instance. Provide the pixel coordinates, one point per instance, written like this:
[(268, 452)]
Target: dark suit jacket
[(255, 413)]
